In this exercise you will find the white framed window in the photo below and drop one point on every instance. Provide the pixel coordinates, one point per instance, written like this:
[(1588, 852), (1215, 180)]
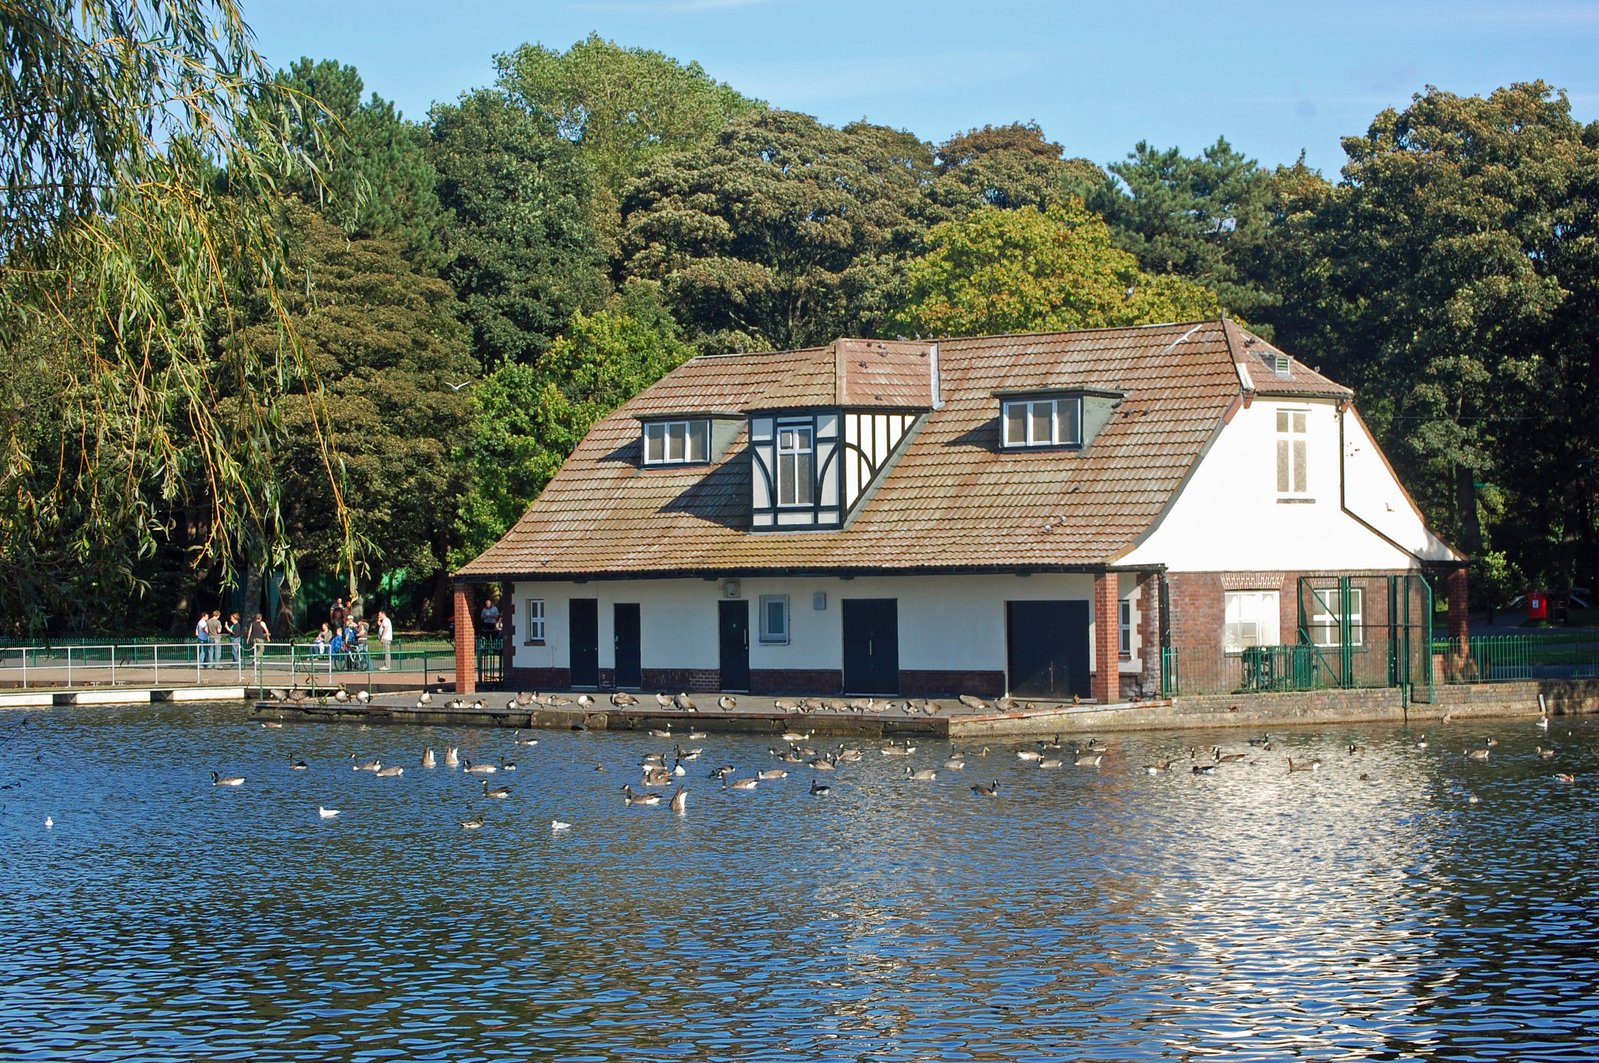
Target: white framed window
[(774, 618), (1124, 630), (1253, 618), (1042, 422), (1326, 608), (677, 442), (796, 464), (1292, 457), (533, 621)]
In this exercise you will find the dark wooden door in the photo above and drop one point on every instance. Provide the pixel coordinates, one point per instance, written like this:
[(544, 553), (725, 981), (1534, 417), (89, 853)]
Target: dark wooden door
[(871, 645), (1047, 648), (735, 628), (584, 627), (629, 673)]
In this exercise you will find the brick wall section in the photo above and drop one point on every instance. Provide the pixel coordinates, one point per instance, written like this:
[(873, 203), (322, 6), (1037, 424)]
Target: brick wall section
[(465, 641), (1147, 682), (1106, 687), (1459, 625)]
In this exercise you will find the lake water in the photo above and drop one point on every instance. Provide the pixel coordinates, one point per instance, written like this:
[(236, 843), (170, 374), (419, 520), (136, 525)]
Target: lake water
[(1082, 914)]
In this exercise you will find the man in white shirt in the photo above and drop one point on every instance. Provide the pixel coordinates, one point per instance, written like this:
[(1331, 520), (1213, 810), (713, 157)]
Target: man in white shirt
[(385, 636)]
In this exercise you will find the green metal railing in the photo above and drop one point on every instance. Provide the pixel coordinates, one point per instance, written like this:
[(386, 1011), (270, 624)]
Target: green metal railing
[(1282, 668), (1170, 676), (1506, 658)]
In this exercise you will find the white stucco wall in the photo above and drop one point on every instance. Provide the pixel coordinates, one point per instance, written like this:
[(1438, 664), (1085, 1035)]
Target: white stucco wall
[(949, 623), (1229, 517)]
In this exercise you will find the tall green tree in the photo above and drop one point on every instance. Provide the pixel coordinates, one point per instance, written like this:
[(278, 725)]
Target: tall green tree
[(523, 254), (531, 418), (779, 233), (1022, 270), (392, 369), (1009, 166), (372, 174), (1461, 242), (119, 253), (1205, 218), (621, 107)]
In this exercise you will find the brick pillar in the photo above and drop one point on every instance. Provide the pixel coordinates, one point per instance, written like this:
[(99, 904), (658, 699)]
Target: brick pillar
[(1107, 670), (465, 642), (1459, 623)]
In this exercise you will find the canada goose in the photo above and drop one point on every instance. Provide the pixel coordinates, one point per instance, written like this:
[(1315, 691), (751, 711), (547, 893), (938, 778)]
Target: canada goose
[(1421, 743), (1089, 760), (680, 801), (272, 725), (391, 772), (727, 703), (921, 774), (657, 777), (1545, 754), (652, 760), (623, 700), (428, 759), (740, 784), (849, 754), (972, 702), (1354, 749), (826, 762), (1310, 765), (661, 732), (507, 765), (685, 703), (557, 825), (341, 695), (298, 765), (767, 774), (425, 698), (527, 697), (955, 763), (696, 736), (985, 789), (584, 701), (1476, 754), (366, 765), (1160, 767), (326, 813), (663, 700), (1228, 758), (226, 780), (363, 696), (1209, 769), (687, 754), (1491, 742), (477, 769), (820, 789), (1051, 762), (794, 736), (472, 822), (512, 705), (499, 793), (452, 757), (720, 773), (630, 798), (1028, 754), (785, 705)]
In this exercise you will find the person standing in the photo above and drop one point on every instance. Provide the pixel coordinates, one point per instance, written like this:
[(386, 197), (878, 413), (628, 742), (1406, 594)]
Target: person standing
[(385, 637), (232, 630), (213, 633), (257, 637), (202, 639), (336, 614), (489, 617)]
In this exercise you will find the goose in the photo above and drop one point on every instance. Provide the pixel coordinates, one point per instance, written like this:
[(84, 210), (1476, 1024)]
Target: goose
[(768, 774), (507, 765), (785, 705), (1051, 762), (1421, 743), (555, 701), (661, 732), (794, 736), (425, 698), (1354, 749), (630, 798), (512, 705), (1210, 769), (1543, 722), (1160, 767), (687, 754), (663, 700), (1545, 754), (955, 763), (1089, 760), (298, 765), (1228, 758), (558, 825), (1476, 754), (721, 773), (652, 760), (391, 772), (685, 703), (826, 762), (367, 765), (472, 822), (657, 777), (921, 774), (226, 780), (820, 789), (986, 789), (527, 697), (1491, 742), (1028, 754), (363, 696), (452, 757), (973, 702), (272, 725), (326, 813), (428, 759), (341, 695), (584, 700), (499, 793), (849, 754), (727, 703), (1311, 765), (680, 801), (623, 700), (696, 736), (740, 784), (477, 769)]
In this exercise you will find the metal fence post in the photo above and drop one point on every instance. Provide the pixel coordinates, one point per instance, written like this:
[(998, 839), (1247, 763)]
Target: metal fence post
[(69, 666)]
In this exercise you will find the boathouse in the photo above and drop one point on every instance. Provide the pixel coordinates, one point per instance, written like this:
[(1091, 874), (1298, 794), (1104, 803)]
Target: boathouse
[(1054, 516)]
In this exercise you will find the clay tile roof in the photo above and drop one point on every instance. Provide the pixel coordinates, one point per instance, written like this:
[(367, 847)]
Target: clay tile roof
[(952, 500), (1259, 363)]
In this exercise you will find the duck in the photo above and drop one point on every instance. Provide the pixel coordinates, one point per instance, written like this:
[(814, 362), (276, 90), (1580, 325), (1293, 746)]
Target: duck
[(1210, 769), (921, 774), (326, 813), (986, 789), (1565, 777), (559, 825), (472, 822), (226, 780), (820, 789), (478, 769), (428, 759), (679, 801), (298, 764), (499, 793), (645, 799)]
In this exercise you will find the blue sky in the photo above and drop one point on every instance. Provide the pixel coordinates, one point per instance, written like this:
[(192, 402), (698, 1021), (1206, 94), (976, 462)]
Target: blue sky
[(1098, 76)]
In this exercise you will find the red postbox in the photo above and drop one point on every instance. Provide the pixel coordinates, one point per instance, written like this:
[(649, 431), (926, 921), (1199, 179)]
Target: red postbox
[(1537, 606)]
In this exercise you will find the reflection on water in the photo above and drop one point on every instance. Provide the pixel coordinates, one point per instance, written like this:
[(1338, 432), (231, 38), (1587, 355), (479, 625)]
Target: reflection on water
[(1367, 910)]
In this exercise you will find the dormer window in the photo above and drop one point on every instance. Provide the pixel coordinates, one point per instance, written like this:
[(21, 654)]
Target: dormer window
[(1043, 421), (677, 442), (796, 463)]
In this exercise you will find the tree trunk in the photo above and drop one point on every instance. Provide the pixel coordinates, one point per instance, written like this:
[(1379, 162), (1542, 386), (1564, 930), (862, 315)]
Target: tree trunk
[(1466, 511)]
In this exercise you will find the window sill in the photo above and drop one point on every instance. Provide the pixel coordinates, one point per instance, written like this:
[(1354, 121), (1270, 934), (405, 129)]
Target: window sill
[(1296, 501), (534, 642)]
